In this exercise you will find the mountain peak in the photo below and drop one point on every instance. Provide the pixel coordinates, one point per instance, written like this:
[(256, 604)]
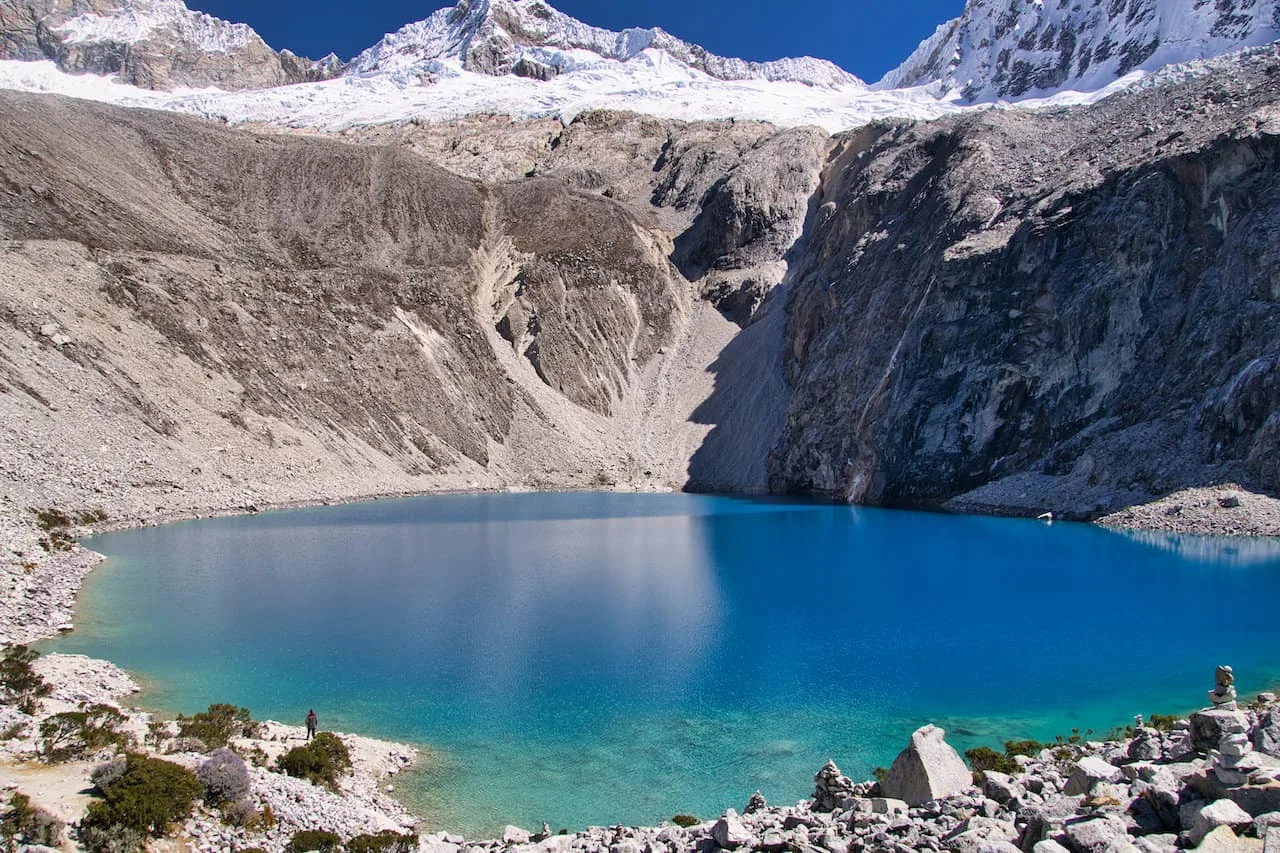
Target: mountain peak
[(1023, 48), (531, 38), (152, 44)]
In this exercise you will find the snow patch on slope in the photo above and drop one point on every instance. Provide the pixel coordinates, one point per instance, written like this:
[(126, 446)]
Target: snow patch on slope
[(649, 86)]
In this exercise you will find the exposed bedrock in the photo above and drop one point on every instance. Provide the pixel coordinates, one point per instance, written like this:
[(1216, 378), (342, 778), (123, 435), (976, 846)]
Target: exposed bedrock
[(1004, 311), (1073, 310)]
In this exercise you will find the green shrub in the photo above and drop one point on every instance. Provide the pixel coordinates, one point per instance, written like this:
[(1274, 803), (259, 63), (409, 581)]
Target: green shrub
[(1029, 748), (74, 734), (28, 824), (314, 839), (685, 820), (20, 684), (148, 796), (984, 758), (386, 841), (218, 725), (1162, 722), (879, 773), (322, 760)]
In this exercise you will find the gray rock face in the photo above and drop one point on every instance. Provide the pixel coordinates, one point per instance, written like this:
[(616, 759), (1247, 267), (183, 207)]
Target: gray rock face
[(1087, 773), (1266, 737), (976, 328), (928, 769), (155, 44), (1098, 835), (1214, 815)]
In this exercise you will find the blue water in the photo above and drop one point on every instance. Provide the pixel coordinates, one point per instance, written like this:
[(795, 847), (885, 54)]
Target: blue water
[(600, 658)]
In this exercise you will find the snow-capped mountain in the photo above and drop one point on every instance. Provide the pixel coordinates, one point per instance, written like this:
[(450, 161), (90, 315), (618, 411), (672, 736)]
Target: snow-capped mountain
[(529, 38), (525, 59), (152, 44), (1008, 49)]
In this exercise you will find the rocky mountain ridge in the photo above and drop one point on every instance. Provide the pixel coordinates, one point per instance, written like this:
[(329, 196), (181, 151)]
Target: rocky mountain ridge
[(999, 311), (530, 38), (1009, 49), (526, 59), (151, 44)]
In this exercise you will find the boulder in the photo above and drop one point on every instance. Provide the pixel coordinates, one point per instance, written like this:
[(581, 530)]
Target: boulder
[(981, 835), (1271, 842), (1049, 846), (1161, 843), (1266, 737), (1098, 835), (730, 833), (1039, 822), (1264, 822), (1000, 786), (515, 835), (1208, 727), (928, 769), (1220, 813), (755, 803), (1223, 840), (1087, 772)]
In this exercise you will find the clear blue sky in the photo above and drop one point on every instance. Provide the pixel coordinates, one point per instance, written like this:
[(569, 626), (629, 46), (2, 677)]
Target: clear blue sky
[(866, 37)]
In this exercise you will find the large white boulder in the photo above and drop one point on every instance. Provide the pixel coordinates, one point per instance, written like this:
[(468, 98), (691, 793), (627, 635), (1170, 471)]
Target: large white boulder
[(928, 769)]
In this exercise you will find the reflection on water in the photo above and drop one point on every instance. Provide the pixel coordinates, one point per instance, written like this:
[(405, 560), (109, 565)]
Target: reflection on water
[(1220, 551), (619, 658)]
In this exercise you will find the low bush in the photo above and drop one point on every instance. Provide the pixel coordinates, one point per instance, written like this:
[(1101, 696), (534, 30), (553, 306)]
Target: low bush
[(104, 774), (216, 726), (685, 820), (28, 824), (54, 522), (984, 758), (322, 760), (239, 813), (225, 777), (314, 839), (386, 841), (148, 796), (1029, 748), (1162, 722), (111, 839), (74, 734), (20, 684)]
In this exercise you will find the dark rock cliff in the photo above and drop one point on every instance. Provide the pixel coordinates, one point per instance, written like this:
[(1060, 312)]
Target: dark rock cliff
[(1073, 310)]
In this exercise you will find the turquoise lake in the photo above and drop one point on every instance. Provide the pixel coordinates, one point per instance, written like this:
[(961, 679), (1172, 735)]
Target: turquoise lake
[(611, 658)]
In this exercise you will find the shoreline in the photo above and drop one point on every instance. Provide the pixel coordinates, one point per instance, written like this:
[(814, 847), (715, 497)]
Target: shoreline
[(59, 575)]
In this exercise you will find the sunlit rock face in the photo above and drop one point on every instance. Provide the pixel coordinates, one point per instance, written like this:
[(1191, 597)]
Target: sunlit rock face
[(153, 44)]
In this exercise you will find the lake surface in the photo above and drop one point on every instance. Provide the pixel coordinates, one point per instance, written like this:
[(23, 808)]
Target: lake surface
[(606, 658)]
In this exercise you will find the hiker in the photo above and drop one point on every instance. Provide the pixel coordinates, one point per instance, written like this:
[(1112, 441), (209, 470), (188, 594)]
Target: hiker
[(312, 722)]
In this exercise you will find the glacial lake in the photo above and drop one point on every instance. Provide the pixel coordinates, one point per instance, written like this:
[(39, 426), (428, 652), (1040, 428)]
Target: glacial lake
[(613, 658)]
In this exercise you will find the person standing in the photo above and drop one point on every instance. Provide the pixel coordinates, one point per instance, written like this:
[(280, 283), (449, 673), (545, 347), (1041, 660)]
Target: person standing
[(312, 722)]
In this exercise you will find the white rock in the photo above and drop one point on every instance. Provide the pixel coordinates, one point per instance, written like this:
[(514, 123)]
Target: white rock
[(928, 769), (1214, 815), (729, 832), (1088, 771)]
